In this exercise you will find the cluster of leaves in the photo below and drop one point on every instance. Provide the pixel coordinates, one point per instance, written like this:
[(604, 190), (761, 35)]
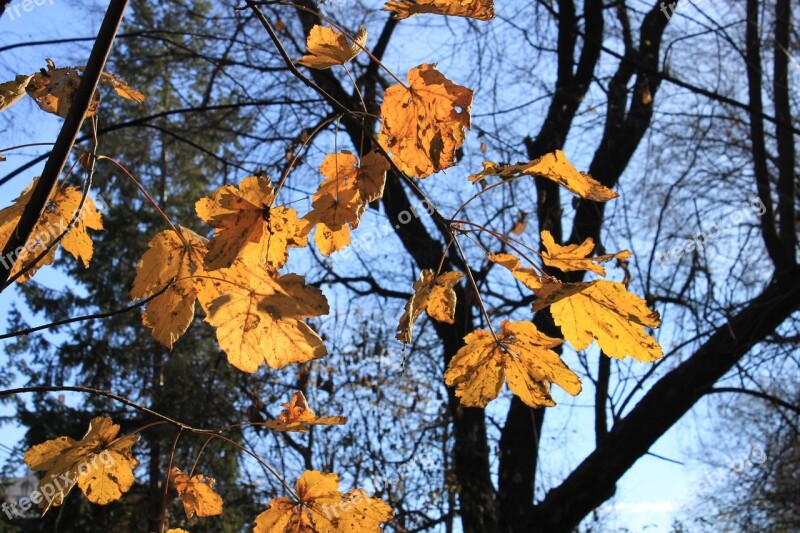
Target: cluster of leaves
[(260, 313)]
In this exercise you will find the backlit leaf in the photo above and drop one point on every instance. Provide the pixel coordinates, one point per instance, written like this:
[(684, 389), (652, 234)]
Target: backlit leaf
[(322, 508), (528, 276), (100, 464), (476, 9), (258, 317), (59, 212), (574, 256), (327, 47), (424, 124), (12, 91), (553, 166), (297, 416), (196, 493), (169, 314), (436, 296), (605, 311), (521, 355), (246, 227)]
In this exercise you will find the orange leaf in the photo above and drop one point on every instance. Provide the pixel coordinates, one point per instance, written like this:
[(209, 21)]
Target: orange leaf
[(573, 256), (521, 354), (297, 416), (424, 124), (528, 276), (476, 9), (246, 227), (553, 166), (436, 296), (61, 209), (12, 91), (605, 311), (196, 493), (321, 508), (100, 464), (327, 47), (258, 317), (169, 314)]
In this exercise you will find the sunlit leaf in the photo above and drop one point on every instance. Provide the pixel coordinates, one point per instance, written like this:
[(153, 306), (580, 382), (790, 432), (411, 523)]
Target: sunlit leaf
[(327, 47), (553, 166), (63, 206), (258, 317), (434, 295), (321, 508), (476, 9), (247, 227), (605, 311), (521, 355), (297, 416), (100, 464), (196, 493), (424, 124)]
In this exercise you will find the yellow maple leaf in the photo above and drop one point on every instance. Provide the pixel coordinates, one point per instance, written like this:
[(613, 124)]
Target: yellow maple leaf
[(196, 493), (322, 508), (297, 416), (59, 212), (258, 317), (327, 47), (424, 124), (605, 311), (246, 227), (573, 256), (12, 91), (176, 530), (476, 9), (120, 87), (553, 166), (100, 464), (434, 295), (528, 276), (169, 314), (343, 195), (521, 355)]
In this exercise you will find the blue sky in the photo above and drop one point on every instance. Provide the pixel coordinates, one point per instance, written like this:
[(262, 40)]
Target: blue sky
[(647, 497)]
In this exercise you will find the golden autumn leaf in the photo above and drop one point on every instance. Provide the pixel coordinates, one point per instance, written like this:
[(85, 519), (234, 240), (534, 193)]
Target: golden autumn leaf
[(476, 9), (63, 206), (167, 258), (258, 317), (424, 124), (521, 355), (120, 87), (196, 493), (297, 416), (101, 464), (177, 530), (338, 204), (54, 89), (322, 508), (574, 256), (12, 91), (528, 276), (605, 311), (327, 47), (553, 166), (246, 227), (434, 295)]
